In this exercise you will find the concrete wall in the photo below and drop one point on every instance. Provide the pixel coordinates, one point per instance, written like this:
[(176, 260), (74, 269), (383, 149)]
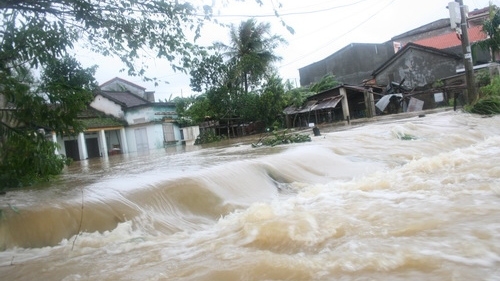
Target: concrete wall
[(418, 68), (350, 65), (150, 113), (479, 55), (190, 134), (154, 134)]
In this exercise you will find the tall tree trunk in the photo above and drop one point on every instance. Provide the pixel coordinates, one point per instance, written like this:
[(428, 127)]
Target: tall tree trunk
[(246, 83)]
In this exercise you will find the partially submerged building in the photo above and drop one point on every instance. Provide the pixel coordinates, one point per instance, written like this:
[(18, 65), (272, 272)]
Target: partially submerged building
[(123, 118), (419, 69)]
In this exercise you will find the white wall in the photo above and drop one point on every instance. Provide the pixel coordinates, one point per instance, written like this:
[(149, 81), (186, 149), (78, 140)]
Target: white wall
[(109, 107), (190, 134), (145, 113), (154, 134)]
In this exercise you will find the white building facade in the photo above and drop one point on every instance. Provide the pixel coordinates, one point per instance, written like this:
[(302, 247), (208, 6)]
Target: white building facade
[(123, 119)]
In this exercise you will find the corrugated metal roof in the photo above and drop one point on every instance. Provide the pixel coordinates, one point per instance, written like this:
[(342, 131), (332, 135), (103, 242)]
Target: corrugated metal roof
[(308, 107), (314, 105), (328, 103)]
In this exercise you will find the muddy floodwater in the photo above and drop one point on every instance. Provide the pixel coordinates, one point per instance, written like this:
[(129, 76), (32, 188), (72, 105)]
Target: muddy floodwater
[(408, 199)]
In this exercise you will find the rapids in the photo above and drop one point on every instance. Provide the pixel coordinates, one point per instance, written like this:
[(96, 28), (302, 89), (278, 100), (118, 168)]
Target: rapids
[(408, 199)]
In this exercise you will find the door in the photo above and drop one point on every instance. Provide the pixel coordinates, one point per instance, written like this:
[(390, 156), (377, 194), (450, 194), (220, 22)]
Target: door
[(141, 139), (168, 133), (93, 147), (71, 147)]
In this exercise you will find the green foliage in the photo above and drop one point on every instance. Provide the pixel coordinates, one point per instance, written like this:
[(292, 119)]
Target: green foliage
[(327, 82), (489, 103), (39, 34), (491, 28), (36, 31), (492, 89), (483, 78), (208, 137), (209, 72), (438, 84), (227, 83), (297, 96), (486, 106), (247, 106), (405, 136), (221, 103), (272, 101), (200, 110), (27, 158), (32, 107), (251, 52), (279, 138)]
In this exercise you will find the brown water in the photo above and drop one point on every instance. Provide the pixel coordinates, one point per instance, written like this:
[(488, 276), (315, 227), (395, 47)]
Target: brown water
[(413, 199)]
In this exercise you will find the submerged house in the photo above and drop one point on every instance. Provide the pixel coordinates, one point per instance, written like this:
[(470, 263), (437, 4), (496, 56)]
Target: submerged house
[(150, 125), (123, 118), (102, 135)]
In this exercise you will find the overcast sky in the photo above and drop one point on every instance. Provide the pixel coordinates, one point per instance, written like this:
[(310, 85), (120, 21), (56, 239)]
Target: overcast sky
[(322, 27)]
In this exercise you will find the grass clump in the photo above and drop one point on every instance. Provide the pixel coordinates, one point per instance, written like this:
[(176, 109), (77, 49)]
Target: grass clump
[(279, 138), (489, 103), (208, 137)]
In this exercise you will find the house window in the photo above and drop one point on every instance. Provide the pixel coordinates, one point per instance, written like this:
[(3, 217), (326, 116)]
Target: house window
[(139, 120), (168, 132)]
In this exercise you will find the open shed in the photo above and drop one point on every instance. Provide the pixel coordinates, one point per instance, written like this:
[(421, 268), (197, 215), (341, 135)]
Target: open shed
[(342, 103)]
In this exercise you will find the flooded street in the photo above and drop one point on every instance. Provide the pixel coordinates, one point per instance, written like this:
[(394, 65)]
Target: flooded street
[(410, 199)]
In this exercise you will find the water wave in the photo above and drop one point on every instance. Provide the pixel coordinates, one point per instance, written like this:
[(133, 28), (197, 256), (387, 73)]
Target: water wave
[(360, 204)]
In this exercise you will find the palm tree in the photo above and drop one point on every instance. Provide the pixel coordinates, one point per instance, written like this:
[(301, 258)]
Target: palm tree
[(251, 52)]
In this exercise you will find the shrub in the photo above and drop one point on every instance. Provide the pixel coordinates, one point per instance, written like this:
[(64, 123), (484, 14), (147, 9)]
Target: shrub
[(489, 104), (208, 137), (278, 138)]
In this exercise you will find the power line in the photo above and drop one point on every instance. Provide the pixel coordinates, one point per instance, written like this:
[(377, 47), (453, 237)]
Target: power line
[(287, 14), (338, 37), (333, 23)]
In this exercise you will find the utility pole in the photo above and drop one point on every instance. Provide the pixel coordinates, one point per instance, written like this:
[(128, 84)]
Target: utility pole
[(470, 95)]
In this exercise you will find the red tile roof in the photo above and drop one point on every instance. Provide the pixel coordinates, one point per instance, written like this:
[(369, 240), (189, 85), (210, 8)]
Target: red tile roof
[(451, 39)]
